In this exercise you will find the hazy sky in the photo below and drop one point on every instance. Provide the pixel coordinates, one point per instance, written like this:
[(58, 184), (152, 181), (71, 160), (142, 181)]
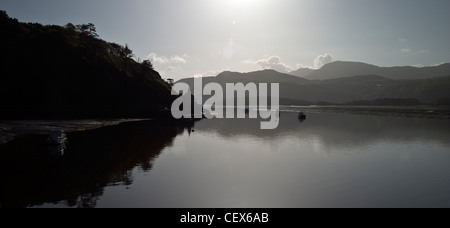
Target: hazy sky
[(197, 37)]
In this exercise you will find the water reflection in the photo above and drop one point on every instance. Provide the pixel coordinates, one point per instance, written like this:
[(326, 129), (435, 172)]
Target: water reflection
[(380, 162), (56, 143), (335, 130), (31, 174)]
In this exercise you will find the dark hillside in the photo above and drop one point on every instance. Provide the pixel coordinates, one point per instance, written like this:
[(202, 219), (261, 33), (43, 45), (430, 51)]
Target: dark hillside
[(68, 72)]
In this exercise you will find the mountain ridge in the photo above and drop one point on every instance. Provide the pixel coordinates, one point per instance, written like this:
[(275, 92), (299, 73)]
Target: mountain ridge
[(260, 76), (340, 69), (339, 90)]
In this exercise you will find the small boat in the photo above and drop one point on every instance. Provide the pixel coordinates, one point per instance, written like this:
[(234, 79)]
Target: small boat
[(302, 116)]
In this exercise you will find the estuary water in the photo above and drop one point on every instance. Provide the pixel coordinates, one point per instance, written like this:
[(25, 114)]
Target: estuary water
[(328, 160)]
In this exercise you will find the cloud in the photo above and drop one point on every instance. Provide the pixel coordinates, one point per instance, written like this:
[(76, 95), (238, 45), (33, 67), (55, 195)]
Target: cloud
[(300, 66), (322, 60), (171, 69), (273, 62), (423, 51), (177, 59), (406, 50), (211, 73), (161, 59), (432, 65), (402, 40), (168, 67), (249, 61)]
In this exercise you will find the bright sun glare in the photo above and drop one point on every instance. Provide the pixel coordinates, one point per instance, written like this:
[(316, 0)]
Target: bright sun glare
[(243, 3)]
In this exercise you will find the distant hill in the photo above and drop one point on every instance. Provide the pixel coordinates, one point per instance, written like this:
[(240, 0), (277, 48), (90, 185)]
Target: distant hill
[(341, 69), (302, 72), (295, 90), (68, 72), (287, 82), (265, 76)]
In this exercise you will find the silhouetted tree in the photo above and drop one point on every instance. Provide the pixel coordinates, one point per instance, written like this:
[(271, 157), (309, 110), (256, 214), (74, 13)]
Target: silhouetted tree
[(170, 81), (71, 27), (120, 51), (3, 15), (114, 49), (5, 19), (127, 52), (88, 30), (148, 64)]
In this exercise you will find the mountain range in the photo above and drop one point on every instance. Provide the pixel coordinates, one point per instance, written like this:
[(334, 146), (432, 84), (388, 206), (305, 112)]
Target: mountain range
[(347, 82), (340, 69)]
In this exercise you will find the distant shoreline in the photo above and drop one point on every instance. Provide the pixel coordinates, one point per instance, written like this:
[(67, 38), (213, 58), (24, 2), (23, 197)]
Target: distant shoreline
[(424, 112), (10, 129)]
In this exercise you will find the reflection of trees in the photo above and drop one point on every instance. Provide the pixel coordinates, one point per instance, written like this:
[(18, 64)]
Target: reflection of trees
[(94, 159)]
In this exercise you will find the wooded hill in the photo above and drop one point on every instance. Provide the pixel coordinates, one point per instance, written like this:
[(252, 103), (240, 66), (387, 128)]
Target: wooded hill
[(68, 72)]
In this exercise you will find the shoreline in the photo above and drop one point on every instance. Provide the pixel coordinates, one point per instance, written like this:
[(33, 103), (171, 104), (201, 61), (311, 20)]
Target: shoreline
[(423, 112), (10, 130)]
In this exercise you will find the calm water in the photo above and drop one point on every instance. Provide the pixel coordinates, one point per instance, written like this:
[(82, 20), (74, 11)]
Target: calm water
[(330, 160)]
